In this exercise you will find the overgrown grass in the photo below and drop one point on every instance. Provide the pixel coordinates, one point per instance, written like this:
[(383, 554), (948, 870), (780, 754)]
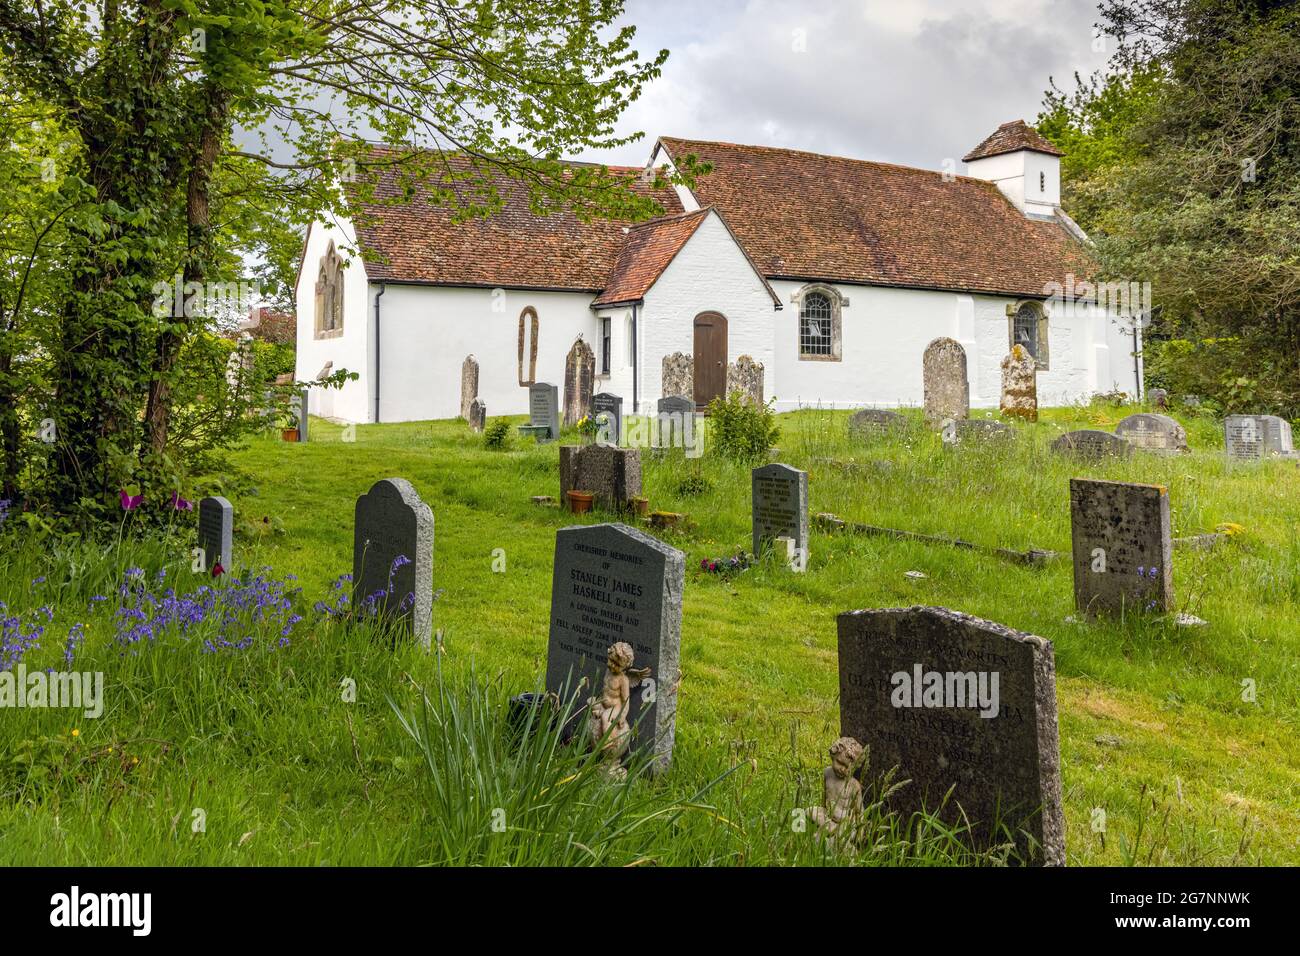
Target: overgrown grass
[(1154, 727)]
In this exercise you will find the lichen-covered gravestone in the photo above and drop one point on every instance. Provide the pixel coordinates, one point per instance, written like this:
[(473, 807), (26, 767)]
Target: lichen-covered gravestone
[(1122, 547), (608, 409), (610, 473), (1020, 384), (1088, 444), (780, 510), (579, 379), (477, 415), (870, 423), (1158, 433), (392, 557), (678, 376), (216, 530), (675, 422), (1257, 436), (746, 377), (956, 702), (947, 390), (468, 385), (976, 431), (613, 583)]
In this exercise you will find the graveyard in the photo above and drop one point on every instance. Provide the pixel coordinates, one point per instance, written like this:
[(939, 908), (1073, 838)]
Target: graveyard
[(336, 743)]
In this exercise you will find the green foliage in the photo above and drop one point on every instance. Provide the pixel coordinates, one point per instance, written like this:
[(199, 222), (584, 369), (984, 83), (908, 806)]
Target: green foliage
[(694, 484), (740, 430), (1227, 373), (497, 434)]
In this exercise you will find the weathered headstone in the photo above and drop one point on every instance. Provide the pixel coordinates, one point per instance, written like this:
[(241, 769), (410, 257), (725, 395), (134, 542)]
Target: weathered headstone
[(1090, 444), (477, 415), (543, 411), (956, 702), (947, 390), (1122, 547), (675, 425), (1257, 436), (216, 532), (613, 583), (392, 557), (1158, 433), (678, 373), (868, 423), (579, 379), (608, 410), (1020, 384), (302, 413), (468, 385), (780, 509), (746, 377), (1158, 397), (610, 473), (976, 431)]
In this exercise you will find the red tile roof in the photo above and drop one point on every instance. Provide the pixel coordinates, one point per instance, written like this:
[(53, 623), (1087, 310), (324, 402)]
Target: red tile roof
[(807, 216), (515, 247), (646, 252), (1009, 138)]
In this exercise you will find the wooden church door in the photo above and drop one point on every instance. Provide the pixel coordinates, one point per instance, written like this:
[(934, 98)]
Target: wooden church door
[(710, 358)]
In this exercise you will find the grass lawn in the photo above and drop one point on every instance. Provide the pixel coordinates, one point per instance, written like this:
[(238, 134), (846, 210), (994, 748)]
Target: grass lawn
[(1154, 728)]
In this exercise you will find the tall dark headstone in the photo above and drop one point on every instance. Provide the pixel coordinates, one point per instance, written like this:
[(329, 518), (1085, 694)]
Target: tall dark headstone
[(216, 531), (613, 583), (477, 415), (1122, 547), (780, 509), (392, 557), (303, 417), (956, 702), (675, 426), (579, 380)]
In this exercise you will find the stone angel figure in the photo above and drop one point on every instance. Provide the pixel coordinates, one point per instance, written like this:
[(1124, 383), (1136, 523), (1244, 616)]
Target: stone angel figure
[(607, 717), (839, 817)]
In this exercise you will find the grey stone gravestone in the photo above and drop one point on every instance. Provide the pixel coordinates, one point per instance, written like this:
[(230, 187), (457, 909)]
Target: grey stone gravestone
[(678, 377), (1158, 433), (780, 509), (869, 423), (611, 424), (1122, 547), (956, 702), (746, 377), (579, 379), (675, 427), (216, 532), (947, 391), (613, 583), (303, 417), (392, 523), (468, 385), (544, 410), (1158, 397), (1257, 436), (1020, 384), (477, 415), (1089, 444), (612, 474), (976, 431)]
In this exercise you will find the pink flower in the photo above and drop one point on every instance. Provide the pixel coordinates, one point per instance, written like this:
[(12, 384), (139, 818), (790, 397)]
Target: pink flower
[(129, 502), (180, 504)]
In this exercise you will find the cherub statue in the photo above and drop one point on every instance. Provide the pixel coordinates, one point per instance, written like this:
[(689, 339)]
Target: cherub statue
[(841, 810), (607, 718)]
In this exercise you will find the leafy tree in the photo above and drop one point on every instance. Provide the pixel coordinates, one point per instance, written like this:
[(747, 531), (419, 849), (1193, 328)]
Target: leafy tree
[(201, 123)]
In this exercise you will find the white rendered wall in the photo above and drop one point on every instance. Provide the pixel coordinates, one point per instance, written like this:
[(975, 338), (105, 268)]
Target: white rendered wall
[(427, 331), (353, 349), (885, 332), (709, 274)]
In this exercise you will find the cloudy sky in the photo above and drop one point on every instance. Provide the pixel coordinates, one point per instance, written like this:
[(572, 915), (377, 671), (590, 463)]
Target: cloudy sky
[(903, 81)]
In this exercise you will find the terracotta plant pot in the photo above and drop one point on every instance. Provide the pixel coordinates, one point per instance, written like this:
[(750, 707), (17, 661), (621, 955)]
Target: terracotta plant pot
[(580, 501), (289, 434), (641, 506)]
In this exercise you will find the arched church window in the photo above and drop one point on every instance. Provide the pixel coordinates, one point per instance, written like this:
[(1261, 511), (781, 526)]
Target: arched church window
[(329, 294), (1029, 329), (819, 324), (528, 329)]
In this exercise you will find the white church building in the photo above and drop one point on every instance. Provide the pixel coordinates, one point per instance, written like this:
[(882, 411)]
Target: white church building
[(832, 273)]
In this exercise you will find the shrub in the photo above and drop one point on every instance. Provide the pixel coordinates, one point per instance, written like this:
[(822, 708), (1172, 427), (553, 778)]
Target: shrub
[(741, 430), (497, 435), (694, 485)]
